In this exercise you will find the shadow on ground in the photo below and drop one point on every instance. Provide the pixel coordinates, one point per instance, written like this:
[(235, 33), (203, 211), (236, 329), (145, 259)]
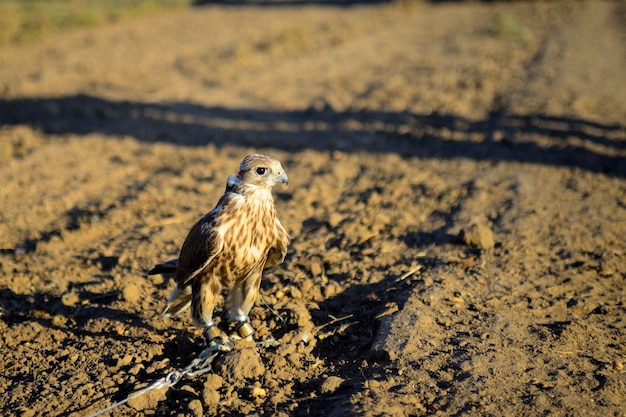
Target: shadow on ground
[(42, 307), (525, 138)]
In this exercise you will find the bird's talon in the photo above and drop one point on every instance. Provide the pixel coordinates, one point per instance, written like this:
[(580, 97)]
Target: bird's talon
[(222, 344), (268, 343), (219, 342)]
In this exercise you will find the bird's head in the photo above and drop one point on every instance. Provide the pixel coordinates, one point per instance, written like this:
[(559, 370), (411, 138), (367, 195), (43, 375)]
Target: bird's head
[(262, 171)]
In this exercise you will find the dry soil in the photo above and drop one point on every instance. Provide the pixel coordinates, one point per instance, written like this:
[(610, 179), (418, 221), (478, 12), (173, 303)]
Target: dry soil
[(457, 203)]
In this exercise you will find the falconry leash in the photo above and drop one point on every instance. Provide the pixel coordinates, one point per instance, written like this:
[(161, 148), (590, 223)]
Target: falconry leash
[(200, 365)]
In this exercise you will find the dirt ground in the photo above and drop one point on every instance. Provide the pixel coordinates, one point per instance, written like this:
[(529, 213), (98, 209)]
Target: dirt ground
[(457, 204)]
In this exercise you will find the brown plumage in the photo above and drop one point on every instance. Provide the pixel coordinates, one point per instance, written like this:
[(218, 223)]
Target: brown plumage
[(231, 246)]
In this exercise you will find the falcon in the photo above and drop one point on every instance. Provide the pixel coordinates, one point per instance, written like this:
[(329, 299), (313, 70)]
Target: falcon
[(229, 248)]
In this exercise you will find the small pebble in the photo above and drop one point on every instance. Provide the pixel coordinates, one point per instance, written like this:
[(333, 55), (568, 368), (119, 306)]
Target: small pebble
[(213, 381), (317, 267), (331, 384), (131, 293), (126, 360), (135, 369), (195, 406), (150, 400), (478, 235), (372, 383), (306, 285), (258, 392), (210, 396), (70, 299)]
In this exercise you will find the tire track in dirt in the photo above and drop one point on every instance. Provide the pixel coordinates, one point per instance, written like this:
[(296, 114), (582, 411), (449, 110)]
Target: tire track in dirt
[(577, 66)]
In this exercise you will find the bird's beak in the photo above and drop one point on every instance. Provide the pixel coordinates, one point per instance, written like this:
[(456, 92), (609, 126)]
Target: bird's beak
[(282, 178)]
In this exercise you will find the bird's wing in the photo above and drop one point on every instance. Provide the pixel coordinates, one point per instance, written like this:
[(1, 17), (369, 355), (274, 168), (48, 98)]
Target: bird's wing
[(202, 244), (278, 251), (169, 267)]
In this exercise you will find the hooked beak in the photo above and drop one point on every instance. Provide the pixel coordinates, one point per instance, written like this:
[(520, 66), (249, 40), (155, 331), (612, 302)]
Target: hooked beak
[(282, 178)]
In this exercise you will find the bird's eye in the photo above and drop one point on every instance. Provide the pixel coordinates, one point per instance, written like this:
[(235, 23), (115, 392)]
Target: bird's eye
[(261, 171)]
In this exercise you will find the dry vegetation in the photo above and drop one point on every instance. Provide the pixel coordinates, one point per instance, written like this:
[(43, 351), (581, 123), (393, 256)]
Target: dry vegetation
[(31, 20)]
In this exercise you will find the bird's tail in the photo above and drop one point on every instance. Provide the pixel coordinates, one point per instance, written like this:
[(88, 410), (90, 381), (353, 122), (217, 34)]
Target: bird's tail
[(167, 267), (178, 301)]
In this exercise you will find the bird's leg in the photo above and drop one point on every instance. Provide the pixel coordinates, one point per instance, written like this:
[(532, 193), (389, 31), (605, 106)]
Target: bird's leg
[(242, 299), (204, 297)]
